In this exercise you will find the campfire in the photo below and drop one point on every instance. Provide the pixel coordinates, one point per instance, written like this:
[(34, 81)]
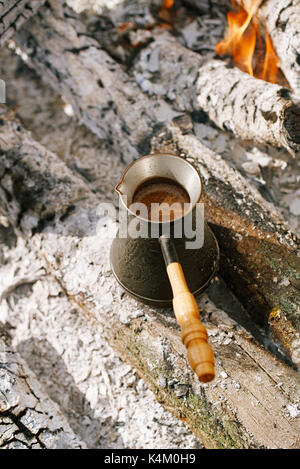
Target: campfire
[(245, 44), (213, 82)]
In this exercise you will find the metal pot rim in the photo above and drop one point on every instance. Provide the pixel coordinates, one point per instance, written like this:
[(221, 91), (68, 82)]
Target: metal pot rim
[(157, 222)]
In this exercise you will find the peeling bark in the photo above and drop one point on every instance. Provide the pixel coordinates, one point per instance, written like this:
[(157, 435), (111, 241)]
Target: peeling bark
[(13, 14), (252, 109), (251, 385)]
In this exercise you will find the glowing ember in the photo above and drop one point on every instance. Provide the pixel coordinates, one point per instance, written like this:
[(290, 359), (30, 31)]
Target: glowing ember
[(242, 39)]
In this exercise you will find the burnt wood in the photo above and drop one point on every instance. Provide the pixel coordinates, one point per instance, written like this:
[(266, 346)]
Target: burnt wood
[(13, 14), (255, 243), (251, 386), (252, 109), (29, 419)]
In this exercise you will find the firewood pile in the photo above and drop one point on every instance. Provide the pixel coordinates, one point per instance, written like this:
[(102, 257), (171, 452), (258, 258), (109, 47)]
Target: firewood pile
[(91, 86)]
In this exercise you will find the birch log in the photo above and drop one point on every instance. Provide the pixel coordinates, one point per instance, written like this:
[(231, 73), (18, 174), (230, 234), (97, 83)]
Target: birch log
[(13, 14), (252, 109), (97, 87), (253, 241), (276, 118), (257, 246), (251, 385), (281, 19)]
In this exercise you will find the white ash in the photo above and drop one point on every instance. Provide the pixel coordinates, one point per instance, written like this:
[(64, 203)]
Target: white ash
[(236, 385), (28, 418), (251, 168), (284, 282), (139, 37), (296, 350), (102, 398), (294, 206), (259, 157), (203, 34), (81, 373), (98, 5), (294, 410)]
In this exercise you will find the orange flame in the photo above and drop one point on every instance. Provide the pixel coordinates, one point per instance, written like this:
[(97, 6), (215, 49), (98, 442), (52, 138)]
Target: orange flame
[(270, 67), (240, 42), (168, 3)]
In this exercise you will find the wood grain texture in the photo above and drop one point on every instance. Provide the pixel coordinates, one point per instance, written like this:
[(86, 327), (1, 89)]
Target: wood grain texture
[(13, 14), (193, 333), (252, 109)]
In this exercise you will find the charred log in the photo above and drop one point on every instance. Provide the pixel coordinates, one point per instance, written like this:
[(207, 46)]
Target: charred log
[(97, 87), (13, 14), (252, 238), (273, 120), (252, 109), (149, 339), (65, 63), (28, 417)]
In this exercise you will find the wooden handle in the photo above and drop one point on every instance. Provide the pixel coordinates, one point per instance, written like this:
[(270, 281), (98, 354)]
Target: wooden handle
[(193, 333)]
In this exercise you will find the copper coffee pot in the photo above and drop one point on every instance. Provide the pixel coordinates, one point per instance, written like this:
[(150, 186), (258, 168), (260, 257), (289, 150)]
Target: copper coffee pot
[(167, 269)]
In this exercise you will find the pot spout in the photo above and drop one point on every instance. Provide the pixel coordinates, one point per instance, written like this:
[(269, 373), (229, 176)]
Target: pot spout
[(125, 186), (119, 188)]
